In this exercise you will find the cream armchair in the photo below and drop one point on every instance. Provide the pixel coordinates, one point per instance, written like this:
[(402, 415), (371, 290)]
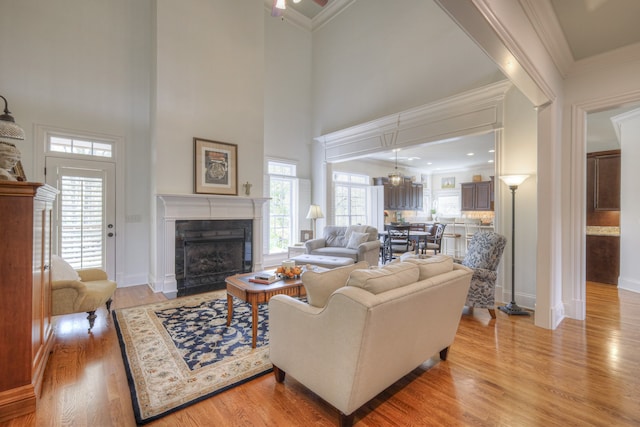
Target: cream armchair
[(79, 291)]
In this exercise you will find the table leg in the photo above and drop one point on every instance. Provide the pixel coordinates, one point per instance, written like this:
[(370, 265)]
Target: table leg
[(254, 323), (229, 309)]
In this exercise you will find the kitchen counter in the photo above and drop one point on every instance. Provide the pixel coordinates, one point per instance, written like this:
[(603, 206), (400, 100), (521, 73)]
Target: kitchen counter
[(596, 230)]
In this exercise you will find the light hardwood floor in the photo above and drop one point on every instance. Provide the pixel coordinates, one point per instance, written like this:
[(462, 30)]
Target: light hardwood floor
[(502, 372)]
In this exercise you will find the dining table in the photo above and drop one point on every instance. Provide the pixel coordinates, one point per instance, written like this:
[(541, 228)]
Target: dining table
[(414, 235)]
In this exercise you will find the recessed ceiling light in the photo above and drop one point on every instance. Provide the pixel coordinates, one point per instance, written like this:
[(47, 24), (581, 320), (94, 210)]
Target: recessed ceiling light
[(470, 154), (490, 161), (413, 158), (492, 151), (429, 163)]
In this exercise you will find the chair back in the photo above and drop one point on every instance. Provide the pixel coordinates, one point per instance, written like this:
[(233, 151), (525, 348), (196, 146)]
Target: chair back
[(418, 226), (471, 226), (485, 250), (398, 240)]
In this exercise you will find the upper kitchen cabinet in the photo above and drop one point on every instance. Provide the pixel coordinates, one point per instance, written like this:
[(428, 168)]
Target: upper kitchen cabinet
[(603, 181), (477, 196), (406, 196)]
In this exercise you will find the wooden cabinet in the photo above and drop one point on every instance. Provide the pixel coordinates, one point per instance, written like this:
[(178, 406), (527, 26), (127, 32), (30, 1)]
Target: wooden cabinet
[(406, 196), (603, 259), (26, 334), (603, 180), (476, 196)]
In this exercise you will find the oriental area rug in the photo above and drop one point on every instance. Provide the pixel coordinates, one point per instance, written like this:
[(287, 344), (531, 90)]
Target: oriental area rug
[(179, 352)]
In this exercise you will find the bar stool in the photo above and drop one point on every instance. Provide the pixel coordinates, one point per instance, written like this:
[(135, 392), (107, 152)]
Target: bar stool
[(471, 227)]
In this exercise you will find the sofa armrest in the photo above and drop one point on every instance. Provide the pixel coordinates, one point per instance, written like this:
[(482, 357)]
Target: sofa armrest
[(371, 245), (369, 251), (91, 274), (313, 244)]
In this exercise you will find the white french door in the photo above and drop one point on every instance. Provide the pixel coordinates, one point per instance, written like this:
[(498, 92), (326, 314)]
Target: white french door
[(84, 213)]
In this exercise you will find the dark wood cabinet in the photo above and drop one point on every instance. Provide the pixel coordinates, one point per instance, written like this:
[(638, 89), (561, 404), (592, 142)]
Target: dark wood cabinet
[(603, 180), (26, 333), (406, 196), (476, 196), (603, 259)]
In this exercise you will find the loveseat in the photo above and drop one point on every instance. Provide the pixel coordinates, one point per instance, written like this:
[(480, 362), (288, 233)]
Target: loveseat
[(358, 242), (365, 328)]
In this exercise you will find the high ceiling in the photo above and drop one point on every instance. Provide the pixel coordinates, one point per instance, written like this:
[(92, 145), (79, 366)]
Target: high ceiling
[(591, 27)]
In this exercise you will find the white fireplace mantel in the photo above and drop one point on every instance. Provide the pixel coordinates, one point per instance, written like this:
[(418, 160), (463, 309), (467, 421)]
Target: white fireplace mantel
[(173, 207)]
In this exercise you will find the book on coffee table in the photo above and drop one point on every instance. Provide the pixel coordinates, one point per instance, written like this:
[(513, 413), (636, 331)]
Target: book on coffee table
[(264, 279)]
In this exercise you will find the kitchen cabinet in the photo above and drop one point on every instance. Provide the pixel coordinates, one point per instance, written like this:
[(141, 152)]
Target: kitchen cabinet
[(603, 259), (26, 333), (406, 196), (603, 181), (477, 196)]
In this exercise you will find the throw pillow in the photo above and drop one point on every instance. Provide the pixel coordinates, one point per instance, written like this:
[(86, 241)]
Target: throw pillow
[(354, 229), (320, 285), (432, 266), (389, 277), (62, 270), (356, 238)]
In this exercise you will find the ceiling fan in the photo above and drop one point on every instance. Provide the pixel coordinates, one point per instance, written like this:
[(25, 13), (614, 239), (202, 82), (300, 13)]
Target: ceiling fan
[(280, 5)]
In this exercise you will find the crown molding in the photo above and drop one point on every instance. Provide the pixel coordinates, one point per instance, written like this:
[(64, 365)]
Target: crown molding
[(291, 16), (545, 23), (472, 112), (330, 11)]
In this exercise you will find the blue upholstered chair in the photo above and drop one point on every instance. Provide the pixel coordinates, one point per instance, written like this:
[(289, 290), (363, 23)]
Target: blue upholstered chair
[(483, 256)]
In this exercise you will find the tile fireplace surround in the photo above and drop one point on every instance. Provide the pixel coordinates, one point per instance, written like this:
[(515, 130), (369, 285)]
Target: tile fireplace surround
[(173, 207)]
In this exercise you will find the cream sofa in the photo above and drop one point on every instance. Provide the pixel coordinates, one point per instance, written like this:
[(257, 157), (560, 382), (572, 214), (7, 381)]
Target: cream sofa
[(363, 329), (358, 242)]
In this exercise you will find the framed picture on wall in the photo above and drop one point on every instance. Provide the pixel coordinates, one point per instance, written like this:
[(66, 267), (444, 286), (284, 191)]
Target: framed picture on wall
[(216, 167), (449, 182), (306, 235)]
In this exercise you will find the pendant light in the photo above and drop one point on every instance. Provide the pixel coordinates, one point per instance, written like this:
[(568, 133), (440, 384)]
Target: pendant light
[(394, 177)]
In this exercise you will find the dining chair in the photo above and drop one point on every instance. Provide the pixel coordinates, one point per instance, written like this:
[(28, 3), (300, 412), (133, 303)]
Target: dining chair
[(398, 241), (434, 242)]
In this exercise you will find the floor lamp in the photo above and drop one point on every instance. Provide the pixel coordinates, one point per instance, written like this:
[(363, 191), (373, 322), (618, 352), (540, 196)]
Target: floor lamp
[(314, 213), (513, 181)]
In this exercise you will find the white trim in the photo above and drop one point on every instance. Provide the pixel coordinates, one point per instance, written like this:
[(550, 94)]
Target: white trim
[(546, 24), (472, 112), (172, 207), (576, 306), (41, 133)]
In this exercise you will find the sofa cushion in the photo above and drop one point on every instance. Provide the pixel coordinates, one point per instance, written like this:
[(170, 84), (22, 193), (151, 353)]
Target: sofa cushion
[(62, 270), (320, 285), (432, 266), (356, 238), (383, 279)]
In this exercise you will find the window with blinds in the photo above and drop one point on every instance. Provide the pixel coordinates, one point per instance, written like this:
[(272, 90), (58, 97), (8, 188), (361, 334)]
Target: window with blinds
[(82, 221)]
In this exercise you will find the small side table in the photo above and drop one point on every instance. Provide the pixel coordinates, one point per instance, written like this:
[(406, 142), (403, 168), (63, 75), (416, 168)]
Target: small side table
[(296, 250)]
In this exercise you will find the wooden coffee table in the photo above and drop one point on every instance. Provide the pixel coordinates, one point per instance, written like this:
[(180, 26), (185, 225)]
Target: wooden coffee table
[(240, 287)]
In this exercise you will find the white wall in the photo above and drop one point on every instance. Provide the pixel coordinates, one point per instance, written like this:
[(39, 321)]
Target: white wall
[(85, 66), (372, 60), (287, 88), (629, 129), (595, 84), (518, 155), (209, 84)]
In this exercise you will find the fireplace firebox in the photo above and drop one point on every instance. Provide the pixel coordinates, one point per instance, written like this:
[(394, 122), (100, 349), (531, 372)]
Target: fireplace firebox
[(208, 251)]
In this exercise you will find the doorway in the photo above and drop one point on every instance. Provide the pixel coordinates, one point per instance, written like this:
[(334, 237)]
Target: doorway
[(84, 224)]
